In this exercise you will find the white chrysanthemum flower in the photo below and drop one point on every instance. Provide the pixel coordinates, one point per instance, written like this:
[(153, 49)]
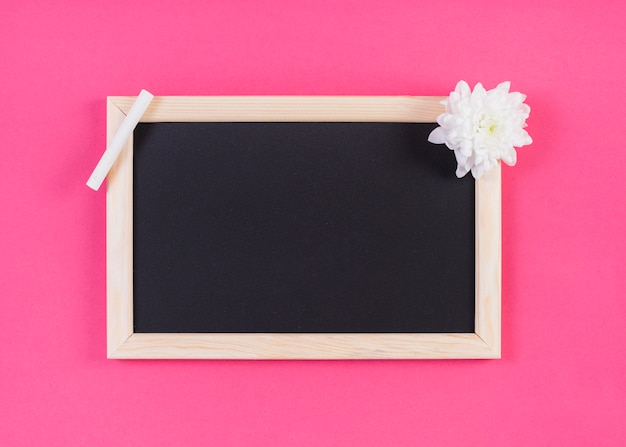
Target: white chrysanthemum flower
[(482, 127)]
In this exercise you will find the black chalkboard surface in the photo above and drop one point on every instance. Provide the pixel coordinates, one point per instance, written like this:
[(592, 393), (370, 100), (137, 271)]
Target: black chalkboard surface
[(297, 227), (300, 227)]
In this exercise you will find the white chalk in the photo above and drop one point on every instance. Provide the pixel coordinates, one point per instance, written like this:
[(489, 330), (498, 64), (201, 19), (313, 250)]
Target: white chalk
[(119, 140)]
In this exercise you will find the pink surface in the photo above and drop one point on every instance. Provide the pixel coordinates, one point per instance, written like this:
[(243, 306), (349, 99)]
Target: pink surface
[(562, 377)]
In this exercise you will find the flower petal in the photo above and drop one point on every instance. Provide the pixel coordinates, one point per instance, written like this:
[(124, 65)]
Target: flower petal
[(461, 171), (463, 89), (437, 136), (504, 86), (510, 157)]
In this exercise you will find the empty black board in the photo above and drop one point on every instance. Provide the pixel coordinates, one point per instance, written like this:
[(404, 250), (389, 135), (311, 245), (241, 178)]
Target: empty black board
[(300, 227)]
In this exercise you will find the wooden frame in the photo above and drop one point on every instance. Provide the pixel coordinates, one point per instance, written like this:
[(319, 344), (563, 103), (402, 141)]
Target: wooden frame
[(123, 343)]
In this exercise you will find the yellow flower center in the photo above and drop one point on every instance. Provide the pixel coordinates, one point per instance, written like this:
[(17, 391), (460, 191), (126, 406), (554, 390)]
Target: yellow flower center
[(487, 126)]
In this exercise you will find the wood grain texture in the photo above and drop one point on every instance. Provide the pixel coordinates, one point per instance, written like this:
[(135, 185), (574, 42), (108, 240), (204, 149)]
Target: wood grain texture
[(304, 346), (400, 109), (122, 343), (119, 233), (488, 258)]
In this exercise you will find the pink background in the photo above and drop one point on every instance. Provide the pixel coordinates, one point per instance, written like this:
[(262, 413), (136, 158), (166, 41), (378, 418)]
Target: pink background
[(562, 377)]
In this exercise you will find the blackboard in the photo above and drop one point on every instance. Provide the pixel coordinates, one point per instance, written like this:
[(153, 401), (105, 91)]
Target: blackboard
[(248, 228)]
